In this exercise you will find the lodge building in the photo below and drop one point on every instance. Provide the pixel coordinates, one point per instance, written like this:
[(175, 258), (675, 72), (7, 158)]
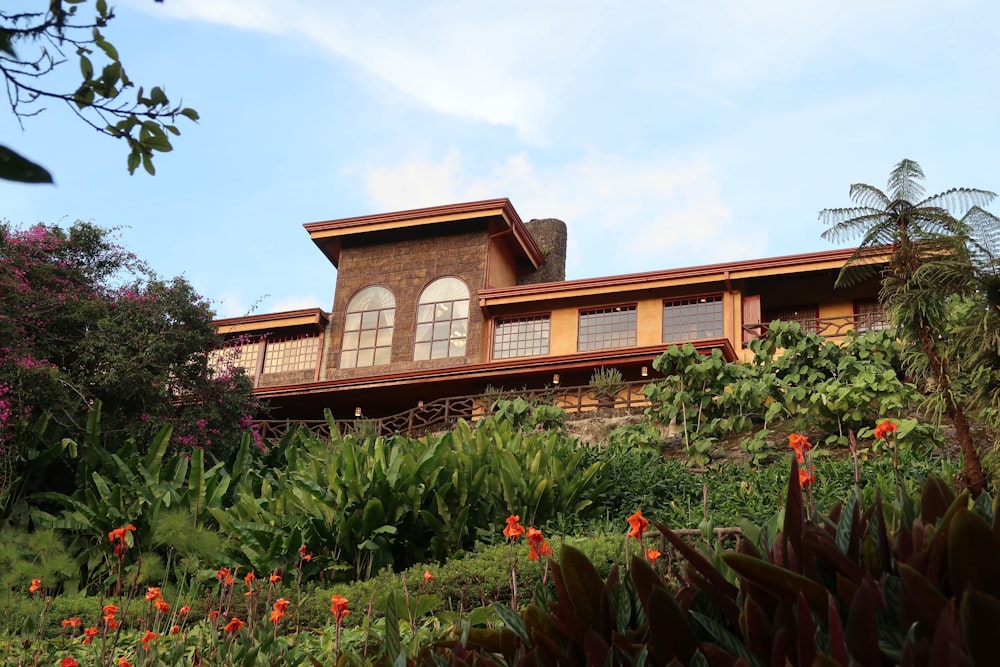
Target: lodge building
[(452, 300)]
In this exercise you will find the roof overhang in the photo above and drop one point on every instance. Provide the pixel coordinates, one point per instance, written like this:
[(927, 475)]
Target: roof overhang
[(709, 273), (288, 318), (328, 235)]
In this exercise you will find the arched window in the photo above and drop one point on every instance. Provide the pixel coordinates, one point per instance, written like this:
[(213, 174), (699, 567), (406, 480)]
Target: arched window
[(368, 323), (442, 320)]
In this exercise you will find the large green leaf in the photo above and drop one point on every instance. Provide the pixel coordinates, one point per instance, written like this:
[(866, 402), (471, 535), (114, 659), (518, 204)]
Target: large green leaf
[(14, 167)]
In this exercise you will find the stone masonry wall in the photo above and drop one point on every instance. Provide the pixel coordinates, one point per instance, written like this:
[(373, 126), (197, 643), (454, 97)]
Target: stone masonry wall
[(405, 263)]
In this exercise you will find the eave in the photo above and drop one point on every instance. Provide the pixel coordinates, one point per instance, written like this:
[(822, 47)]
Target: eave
[(288, 318), (328, 234)]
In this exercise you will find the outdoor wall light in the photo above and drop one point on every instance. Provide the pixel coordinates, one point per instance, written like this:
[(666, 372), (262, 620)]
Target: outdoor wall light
[(420, 404), (645, 371), (357, 411), (555, 379)]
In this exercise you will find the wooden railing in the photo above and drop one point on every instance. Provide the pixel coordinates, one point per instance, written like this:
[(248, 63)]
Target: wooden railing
[(441, 413), (827, 327)]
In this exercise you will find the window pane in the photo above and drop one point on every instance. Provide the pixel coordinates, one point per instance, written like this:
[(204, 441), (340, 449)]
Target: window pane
[(351, 340), (421, 351), (607, 327), (439, 349), (367, 339), (384, 338), (386, 318), (349, 359), (424, 332), (352, 322), (369, 320), (365, 357), (521, 337), (425, 313), (692, 319), (456, 348), (382, 355), (442, 330), (460, 309), (458, 329)]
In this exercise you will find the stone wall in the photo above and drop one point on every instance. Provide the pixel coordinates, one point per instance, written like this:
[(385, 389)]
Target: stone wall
[(550, 235), (405, 262)]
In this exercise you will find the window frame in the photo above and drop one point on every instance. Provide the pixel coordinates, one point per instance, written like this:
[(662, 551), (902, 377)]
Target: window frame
[(685, 321), (600, 339), (434, 324), (379, 330), (500, 321)]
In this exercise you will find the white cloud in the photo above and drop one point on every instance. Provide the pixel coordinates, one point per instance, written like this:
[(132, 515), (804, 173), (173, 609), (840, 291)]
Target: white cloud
[(637, 215)]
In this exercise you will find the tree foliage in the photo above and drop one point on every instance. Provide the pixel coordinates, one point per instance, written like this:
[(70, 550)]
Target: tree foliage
[(83, 320), (940, 252), (35, 44)]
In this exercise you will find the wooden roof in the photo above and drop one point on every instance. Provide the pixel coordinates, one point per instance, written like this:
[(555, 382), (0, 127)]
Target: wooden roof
[(328, 234)]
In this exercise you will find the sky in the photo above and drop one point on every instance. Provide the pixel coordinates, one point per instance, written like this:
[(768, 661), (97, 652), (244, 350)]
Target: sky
[(664, 133)]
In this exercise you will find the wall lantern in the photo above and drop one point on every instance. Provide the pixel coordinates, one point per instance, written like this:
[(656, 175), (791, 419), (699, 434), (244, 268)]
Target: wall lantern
[(555, 379), (420, 404), (645, 371), (357, 411)]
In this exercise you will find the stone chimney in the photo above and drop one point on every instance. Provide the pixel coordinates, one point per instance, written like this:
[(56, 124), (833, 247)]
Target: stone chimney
[(550, 235)]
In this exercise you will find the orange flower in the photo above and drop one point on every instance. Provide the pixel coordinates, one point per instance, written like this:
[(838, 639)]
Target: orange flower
[(652, 555), (214, 614), (174, 629), (806, 477), (637, 525), (111, 622), (162, 605), (274, 578), (222, 573), (800, 445), (249, 579), (110, 609), (539, 548), (183, 611), (514, 529), (153, 593), (428, 577), (229, 580), (278, 610), (118, 534), (338, 607), (36, 585), (884, 428), (69, 662), (148, 637), (233, 626), (72, 622), (89, 634), (123, 662), (306, 556)]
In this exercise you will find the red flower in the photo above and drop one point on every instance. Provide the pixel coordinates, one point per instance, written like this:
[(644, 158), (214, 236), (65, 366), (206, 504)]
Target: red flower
[(538, 546), (652, 555), (36, 585), (118, 534), (89, 634), (222, 574), (72, 622), (123, 662), (274, 578), (148, 637), (183, 611), (637, 525), (800, 445), (514, 528), (69, 662), (233, 626), (884, 428), (338, 607), (806, 477), (428, 577), (162, 605), (278, 610), (249, 579), (153, 593), (174, 629)]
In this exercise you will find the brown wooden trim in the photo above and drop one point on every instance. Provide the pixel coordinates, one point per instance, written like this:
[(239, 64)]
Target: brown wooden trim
[(270, 320)]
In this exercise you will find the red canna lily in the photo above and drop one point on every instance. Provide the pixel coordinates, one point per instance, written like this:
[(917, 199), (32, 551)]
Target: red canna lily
[(153, 593), (69, 662), (637, 525), (278, 610), (233, 626), (72, 622), (36, 585), (806, 477), (428, 577), (148, 637), (800, 445), (174, 629), (338, 607), (539, 548), (884, 428), (183, 611), (162, 605), (514, 529), (123, 662), (89, 634), (652, 555)]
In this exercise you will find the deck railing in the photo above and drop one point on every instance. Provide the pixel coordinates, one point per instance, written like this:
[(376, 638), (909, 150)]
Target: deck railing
[(443, 412), (827, 327)]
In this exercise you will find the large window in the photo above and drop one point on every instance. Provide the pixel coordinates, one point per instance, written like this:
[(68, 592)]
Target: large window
[(368, 324), (870, 316), (521, 337), (692, 319), (291, 353), (606, 327), (243, 352), (442, 320), (807, 316)]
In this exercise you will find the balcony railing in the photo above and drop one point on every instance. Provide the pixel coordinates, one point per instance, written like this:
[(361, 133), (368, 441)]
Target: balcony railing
[(441, 413), (827, 327)]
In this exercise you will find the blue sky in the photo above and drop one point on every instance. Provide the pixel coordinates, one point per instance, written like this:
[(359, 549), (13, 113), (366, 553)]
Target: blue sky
[(664, 133)]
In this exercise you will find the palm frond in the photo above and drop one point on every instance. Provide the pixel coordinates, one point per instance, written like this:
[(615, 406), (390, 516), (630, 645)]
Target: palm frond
[(869, 196), (959, 200), (847, 223), (904, 182)]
